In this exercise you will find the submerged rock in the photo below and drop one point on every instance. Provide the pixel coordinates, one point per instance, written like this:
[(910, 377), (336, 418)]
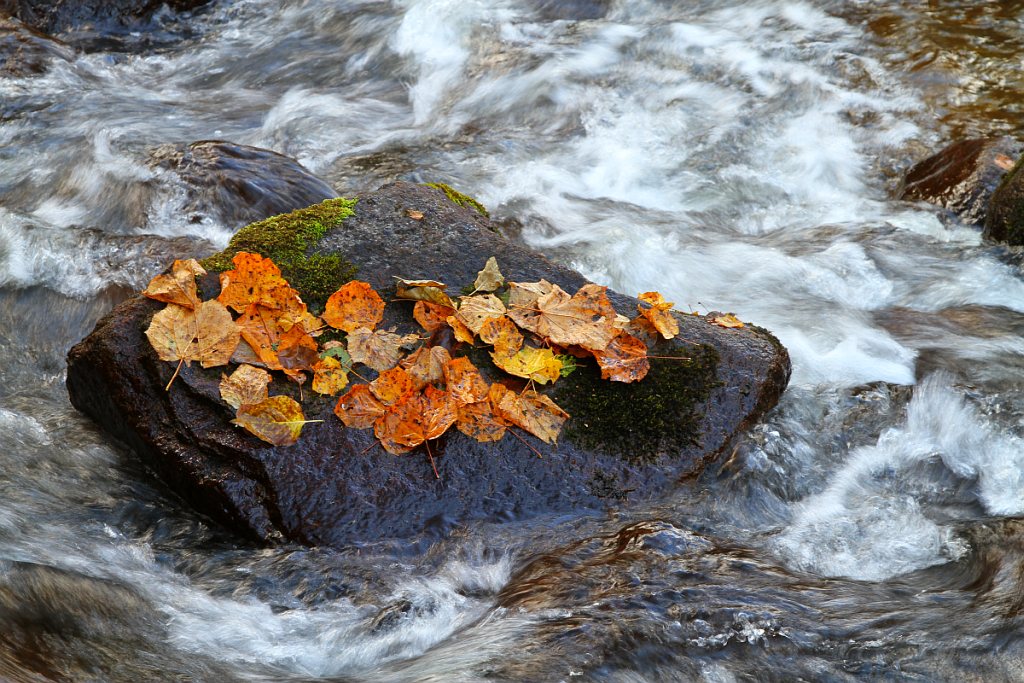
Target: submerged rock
[(239, 184), (25, 52), (624, 443), (962, 177)]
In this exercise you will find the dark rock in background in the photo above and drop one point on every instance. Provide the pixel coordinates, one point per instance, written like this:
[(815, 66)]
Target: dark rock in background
[(26, 52)]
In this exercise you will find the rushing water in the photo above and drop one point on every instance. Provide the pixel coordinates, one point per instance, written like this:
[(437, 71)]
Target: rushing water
[(735, 155)]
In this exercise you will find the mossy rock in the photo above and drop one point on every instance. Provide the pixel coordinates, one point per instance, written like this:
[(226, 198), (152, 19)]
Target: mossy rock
[(460, 199), (623, 444), (1005, 219)]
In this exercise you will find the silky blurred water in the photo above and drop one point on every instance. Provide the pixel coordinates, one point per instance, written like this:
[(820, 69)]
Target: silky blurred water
[(736, 156)]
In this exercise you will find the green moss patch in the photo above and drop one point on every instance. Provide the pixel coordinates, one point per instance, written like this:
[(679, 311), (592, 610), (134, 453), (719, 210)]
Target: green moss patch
[(286, 238), (641, 420), (457, 197)]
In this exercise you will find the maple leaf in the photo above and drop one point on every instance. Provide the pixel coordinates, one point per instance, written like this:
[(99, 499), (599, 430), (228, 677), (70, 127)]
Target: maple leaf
[(246, 385), (624, 359), (536, 413), (359, 408), (431, 291), (474, 311), (254, 280), (354, 305), (539, 365), (377, 349), (524, 295), (178, 287), (586, 318), (329, 376), (464, 381), (480, 421), (727, 320), (207, 334), (426, 365), (415, 419), (431, 317), (490, 278), (277, 420), (259, 328), (392, 385), (659, 314)]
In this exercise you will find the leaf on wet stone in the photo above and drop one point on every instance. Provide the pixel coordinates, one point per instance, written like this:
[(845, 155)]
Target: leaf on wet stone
[(254, 280), (245, 355), (586, 318), (479, 421), (464, 382), (329, 376), (356, 304), (539, 365), (417, 418), (474, 311), (462, 333), (426, 365), (246, 385), (335, 349), (207, 334), (524, 295), (277, 420), (296, 350), (659, 314), (727, 320), (178, 286), (624, 359), (430, 291), (377, 349), (431, 317), (490, 278), (502, 334), (359, 408), (391, 386), (536, 413), (259, 328)]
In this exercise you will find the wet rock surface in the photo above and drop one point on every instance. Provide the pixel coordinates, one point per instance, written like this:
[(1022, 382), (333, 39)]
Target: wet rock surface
[(1005, 219), (26, 52), (104, 24), (962, 177), (239, 184), (335, 487)]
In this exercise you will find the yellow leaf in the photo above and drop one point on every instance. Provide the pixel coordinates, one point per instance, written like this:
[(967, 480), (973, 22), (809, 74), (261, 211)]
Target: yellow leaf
[(179, 287), (246, 385), (329, 377), (207, 335), (462, 333), (490, 278), (277, 420), (727, 320), (502, 334), (540, 365), (423, 290)]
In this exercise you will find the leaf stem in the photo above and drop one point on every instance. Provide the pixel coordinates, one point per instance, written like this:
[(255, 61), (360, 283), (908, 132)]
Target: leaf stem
[(176, 371)]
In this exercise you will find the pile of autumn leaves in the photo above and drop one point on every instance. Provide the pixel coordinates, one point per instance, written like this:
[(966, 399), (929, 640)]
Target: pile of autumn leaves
[(535, 331)]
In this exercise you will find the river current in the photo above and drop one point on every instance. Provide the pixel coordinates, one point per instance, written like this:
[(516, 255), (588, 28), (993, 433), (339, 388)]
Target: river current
[(734, 155)]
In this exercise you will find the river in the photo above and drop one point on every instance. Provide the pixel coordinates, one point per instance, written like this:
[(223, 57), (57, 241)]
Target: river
[(735, 155)]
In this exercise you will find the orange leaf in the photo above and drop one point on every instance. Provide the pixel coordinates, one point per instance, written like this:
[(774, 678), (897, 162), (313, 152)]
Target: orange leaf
[(474, 311), (431, 317), (536, 413), (478, 421), (727, 320), (260, 330), (378, 349), (297, 350), (179, 287), (246, 385), (502, 334), (624, 359), (415, 419), (587, 318), (358, 408), (354, 305), (462, 333), (392, 385), (277, 420), (659, 314), (464, 381), (426, 365), (329, 377), (254, 280)]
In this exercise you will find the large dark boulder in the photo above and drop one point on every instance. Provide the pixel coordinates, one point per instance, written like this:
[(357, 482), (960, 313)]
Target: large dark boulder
[(1005, 219), (962, 177), (239, 184), (624, 443)]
